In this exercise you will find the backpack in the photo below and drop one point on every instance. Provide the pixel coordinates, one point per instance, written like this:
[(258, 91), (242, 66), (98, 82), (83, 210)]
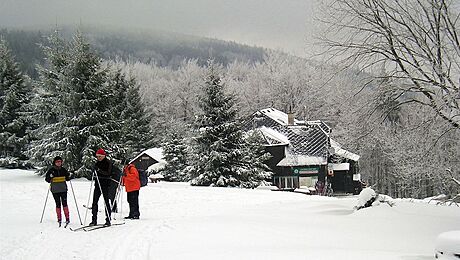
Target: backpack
[(143, 178)]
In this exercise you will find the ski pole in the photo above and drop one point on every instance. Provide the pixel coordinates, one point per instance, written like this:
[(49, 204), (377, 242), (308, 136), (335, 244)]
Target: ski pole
[(89, 196), (117, 196), (104, 198), (76, 204), (120, 187), (121, 200), (113, 203), (47, 193)]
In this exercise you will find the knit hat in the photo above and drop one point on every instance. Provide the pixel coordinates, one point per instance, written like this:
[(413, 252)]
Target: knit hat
[(101, 151), (57, 158)]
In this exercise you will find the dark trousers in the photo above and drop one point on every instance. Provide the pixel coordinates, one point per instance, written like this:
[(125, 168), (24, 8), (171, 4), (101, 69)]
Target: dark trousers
[(104, 190), (112, 194), (133, 200), (60, 197)]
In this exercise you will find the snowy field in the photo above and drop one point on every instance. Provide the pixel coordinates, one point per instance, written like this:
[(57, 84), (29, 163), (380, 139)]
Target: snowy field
[(183, 222)]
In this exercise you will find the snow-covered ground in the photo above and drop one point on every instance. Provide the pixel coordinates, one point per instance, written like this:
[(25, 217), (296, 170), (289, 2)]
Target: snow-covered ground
[(183, 222)]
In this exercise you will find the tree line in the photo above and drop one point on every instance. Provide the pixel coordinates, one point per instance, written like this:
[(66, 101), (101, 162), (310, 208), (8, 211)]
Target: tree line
[(80, 104), (404, 153), (410, 51), (407, 148)]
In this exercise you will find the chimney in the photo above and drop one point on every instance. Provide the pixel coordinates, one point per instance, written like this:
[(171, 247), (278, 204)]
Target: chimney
[(290, 117)]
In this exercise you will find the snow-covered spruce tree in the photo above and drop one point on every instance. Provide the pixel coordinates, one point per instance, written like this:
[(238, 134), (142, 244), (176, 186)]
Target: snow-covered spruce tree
[(255, 171), (175, 155), (47, 105), (135, 132), (74, 87), (219, 152), (118, 84), (14, 97)]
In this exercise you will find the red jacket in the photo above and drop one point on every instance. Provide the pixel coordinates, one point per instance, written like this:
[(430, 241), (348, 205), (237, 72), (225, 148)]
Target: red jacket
[(131, 178)]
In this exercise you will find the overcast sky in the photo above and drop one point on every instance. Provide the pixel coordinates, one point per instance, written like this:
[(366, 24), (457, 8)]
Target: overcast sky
[(278, 24)]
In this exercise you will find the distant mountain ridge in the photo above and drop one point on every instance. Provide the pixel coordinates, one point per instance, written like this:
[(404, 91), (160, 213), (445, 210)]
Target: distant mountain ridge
[(166, 49)]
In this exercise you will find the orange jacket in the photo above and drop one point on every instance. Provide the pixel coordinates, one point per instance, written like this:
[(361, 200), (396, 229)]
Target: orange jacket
[(131, 178)]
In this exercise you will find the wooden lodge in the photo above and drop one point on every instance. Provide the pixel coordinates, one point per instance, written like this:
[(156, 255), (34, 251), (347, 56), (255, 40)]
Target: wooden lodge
[(303, 152)]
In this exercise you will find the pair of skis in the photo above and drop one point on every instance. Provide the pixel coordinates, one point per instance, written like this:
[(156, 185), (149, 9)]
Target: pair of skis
[(88, 228)]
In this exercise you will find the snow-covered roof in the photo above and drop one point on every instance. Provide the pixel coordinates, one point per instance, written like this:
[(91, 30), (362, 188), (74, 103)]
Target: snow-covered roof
[(155, 153), (304, 139), (339, 166), (323, 126), (301, 160), (157, 166), (274, 137), (278, 116), (338, 150)]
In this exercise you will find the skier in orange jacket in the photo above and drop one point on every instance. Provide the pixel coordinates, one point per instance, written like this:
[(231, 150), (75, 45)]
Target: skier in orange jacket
[(132, 185)]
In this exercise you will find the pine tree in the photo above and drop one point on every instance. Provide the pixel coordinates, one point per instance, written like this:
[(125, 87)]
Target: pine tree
[(254, 171), (47, 106), (14, 97), (217, 156), (175, 155), (75, 86), (136, 132)]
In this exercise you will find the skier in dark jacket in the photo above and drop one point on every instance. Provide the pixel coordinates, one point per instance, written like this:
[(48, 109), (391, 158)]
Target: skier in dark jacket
[(106, 175), (57, 177)]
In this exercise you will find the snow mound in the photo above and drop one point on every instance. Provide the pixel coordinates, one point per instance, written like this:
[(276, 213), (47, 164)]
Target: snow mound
[(368, 197), (365, 197), (157, 176), (448, 245), (267, 187)]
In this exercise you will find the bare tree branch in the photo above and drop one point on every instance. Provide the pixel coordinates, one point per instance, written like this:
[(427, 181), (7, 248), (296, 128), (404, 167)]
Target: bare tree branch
[(417, 42)]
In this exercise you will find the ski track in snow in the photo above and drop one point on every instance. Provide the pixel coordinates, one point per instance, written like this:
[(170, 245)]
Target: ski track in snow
[(183, 222)]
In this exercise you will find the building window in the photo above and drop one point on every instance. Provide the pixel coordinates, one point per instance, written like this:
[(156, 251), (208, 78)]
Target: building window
[(286, 182), (308, 182)]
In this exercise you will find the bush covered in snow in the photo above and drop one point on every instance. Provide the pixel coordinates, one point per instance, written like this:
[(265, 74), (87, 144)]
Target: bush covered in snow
[(14, 163), (368, 197)]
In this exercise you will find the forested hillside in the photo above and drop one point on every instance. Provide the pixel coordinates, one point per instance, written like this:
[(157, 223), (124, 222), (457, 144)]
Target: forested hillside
[(165, 49)]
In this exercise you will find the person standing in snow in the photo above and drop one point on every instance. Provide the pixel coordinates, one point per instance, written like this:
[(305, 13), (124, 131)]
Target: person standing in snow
[(132, 185), (106, 174), (57, 177), (319, 187)]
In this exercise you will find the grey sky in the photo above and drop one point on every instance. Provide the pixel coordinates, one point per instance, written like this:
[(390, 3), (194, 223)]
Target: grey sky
[(278, 24)]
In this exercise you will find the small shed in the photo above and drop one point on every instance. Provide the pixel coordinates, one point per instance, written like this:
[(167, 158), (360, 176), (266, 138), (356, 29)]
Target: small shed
[(147, 158)]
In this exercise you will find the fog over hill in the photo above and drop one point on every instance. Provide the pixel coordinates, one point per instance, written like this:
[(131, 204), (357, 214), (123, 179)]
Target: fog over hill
[(165, 49), (285, 25)]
